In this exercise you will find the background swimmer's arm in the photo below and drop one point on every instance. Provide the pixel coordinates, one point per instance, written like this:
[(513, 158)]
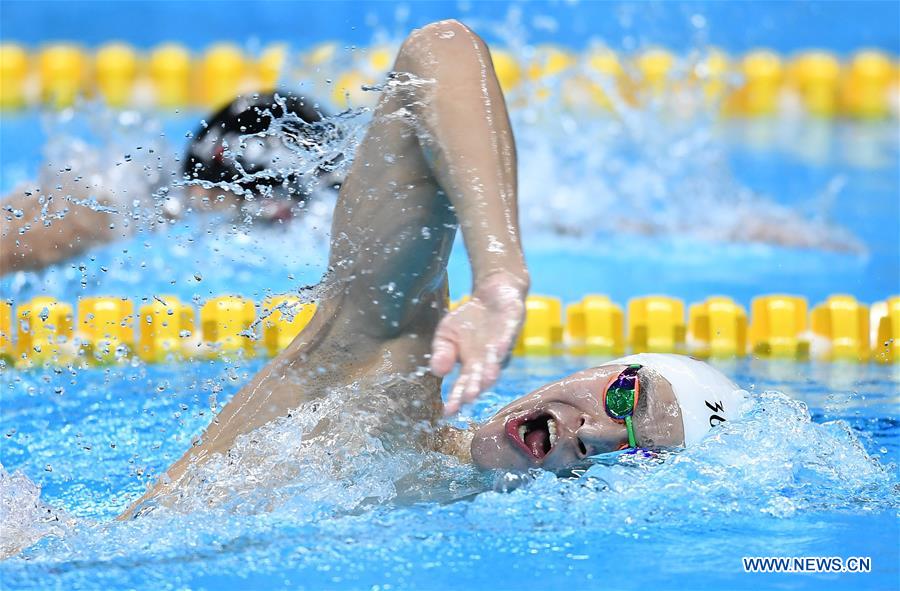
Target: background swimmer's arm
[(34, 235), (465, 130)]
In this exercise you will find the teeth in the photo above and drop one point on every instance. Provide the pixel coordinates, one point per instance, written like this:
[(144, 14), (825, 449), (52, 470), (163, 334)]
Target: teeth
[(551, 428), (522, 432)]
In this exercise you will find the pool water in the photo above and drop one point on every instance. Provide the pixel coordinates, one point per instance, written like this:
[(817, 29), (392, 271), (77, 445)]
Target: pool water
[(811, 469), (696, 187)]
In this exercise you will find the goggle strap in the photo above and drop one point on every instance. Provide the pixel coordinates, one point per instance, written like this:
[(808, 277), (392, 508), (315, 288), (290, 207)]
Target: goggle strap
[(632, 442)]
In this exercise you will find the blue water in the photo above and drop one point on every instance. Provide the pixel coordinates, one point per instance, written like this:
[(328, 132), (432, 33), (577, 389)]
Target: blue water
[(776, 483), (812, 469)]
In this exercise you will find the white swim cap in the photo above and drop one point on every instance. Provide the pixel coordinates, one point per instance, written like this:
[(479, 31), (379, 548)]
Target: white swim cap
[(705, 395)]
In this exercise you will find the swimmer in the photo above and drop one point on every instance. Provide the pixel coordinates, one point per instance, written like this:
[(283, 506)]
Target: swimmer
[(248, 153), (648, 400), (231, 164), (440, 155)]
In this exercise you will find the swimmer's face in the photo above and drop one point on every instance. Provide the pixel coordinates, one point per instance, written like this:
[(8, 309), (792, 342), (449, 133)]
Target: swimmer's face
[(564, 422)]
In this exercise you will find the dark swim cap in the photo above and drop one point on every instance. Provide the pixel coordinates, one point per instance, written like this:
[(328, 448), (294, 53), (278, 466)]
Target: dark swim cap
[(234, 148)]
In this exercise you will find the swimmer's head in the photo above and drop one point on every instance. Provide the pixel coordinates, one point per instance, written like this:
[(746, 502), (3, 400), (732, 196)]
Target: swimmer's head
[(240, 146), (678, 400)]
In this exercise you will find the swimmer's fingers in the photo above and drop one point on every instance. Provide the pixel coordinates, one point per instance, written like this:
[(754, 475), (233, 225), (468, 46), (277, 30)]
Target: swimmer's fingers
[(466, 336), (488, 370), (496, 357), (455, 400), (444, 353), (466, 389), (474, 378)]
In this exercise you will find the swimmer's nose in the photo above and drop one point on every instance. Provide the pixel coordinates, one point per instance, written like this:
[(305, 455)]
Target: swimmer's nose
[(595, 437)]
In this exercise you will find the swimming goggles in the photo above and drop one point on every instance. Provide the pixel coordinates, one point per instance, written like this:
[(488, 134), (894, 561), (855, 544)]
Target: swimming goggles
[(621, 397)]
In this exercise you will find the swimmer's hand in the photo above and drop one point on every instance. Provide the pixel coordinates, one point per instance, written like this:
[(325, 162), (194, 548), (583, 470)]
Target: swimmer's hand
[(479, 335)]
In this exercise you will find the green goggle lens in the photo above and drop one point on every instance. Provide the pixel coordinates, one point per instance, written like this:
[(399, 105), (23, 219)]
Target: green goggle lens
[(619, 402), (621, 398)]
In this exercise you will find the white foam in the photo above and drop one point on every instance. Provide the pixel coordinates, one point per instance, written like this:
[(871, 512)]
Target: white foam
[(24, 517)]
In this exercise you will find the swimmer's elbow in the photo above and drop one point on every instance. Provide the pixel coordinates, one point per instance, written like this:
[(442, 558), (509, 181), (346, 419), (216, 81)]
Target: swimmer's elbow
[(447, 37), (447, 29)]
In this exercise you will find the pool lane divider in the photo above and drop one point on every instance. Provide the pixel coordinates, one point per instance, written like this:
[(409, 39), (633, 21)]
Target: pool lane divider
[(759, 83), (106, 330)]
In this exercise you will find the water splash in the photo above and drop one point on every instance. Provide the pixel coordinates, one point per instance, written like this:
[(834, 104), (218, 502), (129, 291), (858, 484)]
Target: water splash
[(112, 161), (775, 462), (24, 517), (307, 155), (651, 171), (331, 455)]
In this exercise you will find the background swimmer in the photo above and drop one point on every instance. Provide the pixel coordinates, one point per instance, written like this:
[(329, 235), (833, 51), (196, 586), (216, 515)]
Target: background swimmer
[(269, 153), (440, 154), (232, 164)]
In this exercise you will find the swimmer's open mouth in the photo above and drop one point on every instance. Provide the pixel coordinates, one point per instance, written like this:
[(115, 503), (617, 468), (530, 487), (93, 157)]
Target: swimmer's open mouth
[(534, 433)]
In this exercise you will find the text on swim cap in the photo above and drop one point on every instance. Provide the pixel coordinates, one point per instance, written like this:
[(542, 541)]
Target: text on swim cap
[(717, 408)]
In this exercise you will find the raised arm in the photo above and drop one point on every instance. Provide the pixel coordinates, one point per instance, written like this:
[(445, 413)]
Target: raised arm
[(465, 130), (428, 162)]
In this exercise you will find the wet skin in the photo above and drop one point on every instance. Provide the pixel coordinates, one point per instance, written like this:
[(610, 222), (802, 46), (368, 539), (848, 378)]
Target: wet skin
[(563, 422), (381, 323)]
